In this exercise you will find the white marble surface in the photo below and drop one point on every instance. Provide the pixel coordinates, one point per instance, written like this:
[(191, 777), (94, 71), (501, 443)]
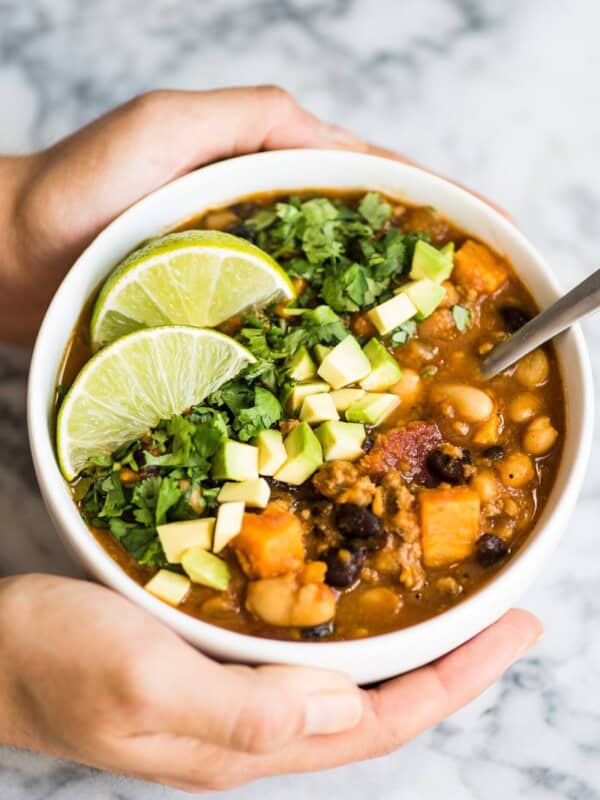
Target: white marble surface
[(501, 95)]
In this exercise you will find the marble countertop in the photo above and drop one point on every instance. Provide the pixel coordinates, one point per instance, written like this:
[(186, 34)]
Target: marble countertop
[(503, 96)]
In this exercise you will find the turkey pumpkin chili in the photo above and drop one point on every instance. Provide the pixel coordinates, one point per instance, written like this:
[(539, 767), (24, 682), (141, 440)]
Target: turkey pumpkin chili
[(355, 475)]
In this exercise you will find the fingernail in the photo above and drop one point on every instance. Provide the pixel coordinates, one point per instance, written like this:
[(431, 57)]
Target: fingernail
[(332, 713), (340, 137), (528, 645)]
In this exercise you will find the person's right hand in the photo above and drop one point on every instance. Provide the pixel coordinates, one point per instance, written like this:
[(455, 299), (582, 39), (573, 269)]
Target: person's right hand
[(88, 676)]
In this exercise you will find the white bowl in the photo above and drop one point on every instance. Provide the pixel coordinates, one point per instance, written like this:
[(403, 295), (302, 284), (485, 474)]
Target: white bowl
[(365, 660)]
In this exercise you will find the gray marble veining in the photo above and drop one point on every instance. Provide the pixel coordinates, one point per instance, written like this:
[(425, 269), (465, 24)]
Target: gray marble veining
[(503, 96)]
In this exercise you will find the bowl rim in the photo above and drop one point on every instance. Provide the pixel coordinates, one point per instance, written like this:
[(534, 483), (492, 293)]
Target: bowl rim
[(242, 646)]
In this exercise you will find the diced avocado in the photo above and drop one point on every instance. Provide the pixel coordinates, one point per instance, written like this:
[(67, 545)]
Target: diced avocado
[(318, 408), (177, 537), (345, 364), (235, 461), (168, 586), (392, 313), (372, 409), (271, 452), (302, 367), (254, 493), (206, 568), (385, 370), (343, 398), (448, 249), (304, 455), (426, 295), (341, 440), (295, 397), (428, 262), (320, 351), (230, 517)]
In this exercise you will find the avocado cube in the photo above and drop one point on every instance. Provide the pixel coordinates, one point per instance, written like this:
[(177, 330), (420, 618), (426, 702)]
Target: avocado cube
[(169, 586), (392, 313), (345, 364), (271, 452), (385, 370), (372, 409), (177, 537), (301, 366), (304, 455), (426, 296), (295, 397), (428, 262), (320, 351), (235, 461), (206, 568), (255, 493), (230, 518), (318, 408), (341, 440), (343, 398)]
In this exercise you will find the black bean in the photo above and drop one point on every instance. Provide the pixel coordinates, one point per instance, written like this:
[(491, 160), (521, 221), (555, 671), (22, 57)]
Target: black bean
[(447, 468), (243, 231), (355, 521), (343, 566), (513, 318), (494, 453), (490, 549), (318, 631), (367, 444)]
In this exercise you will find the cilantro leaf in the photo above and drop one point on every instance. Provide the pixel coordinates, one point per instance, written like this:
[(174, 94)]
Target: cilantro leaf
[(375, 210), (169, 495), (463, 317), (404, 332), (265, 412)]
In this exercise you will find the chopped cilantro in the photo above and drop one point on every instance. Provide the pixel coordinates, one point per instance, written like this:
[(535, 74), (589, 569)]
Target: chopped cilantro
[(404, 332), (429, 372), (463, 317)]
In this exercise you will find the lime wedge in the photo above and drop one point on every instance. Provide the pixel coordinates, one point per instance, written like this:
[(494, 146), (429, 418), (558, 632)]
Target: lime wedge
[(190, 278), (146, 376)]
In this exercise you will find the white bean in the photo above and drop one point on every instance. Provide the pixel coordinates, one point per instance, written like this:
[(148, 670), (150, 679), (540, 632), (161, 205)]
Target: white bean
[(467, 402)]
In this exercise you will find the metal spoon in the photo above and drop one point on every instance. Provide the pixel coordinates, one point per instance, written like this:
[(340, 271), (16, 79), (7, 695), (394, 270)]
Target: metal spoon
[(575, 305)]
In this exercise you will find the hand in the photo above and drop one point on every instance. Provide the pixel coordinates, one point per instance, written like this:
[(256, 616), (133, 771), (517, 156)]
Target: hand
[(84, 674), (88, 676), (53, 203)]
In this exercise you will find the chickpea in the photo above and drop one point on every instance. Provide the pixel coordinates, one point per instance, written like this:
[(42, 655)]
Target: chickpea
[(285, 601), (523, 407), (485, 484), (516, 470), (380, 602), (409, 388), (533, 369), (539, 436), (468, 403)]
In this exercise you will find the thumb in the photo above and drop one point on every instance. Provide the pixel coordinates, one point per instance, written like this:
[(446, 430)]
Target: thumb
[(77, 186), (264, 709)]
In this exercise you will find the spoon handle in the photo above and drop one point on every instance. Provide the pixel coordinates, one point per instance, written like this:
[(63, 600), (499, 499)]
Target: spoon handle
[(573, 306)]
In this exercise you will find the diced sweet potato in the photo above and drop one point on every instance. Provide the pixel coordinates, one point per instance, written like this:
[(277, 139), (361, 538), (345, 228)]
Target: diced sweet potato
[(405, 449), (449, 524), (270, 544), (476, 267)]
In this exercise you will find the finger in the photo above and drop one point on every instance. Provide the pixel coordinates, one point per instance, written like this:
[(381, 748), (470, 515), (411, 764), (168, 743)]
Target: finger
[(406, 706), (383, 152), (254, 710)]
